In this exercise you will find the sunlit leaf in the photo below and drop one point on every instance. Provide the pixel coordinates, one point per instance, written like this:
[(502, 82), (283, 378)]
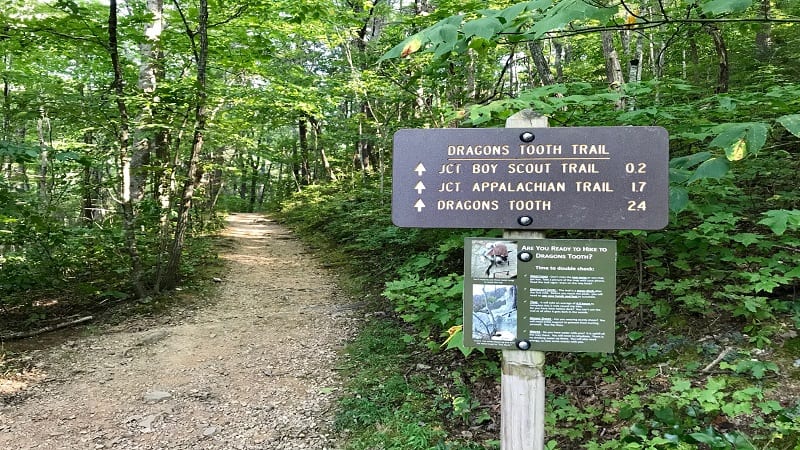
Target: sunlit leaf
[(411, 47), (738, 151), (731, 136), (404, 46)]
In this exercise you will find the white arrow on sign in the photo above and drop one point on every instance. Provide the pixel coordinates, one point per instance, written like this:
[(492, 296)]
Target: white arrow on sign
[(420, 169), (419, 187), (419, 205)]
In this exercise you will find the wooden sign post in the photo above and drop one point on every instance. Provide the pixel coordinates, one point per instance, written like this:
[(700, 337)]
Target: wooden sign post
[(522, 178), (522, 382)]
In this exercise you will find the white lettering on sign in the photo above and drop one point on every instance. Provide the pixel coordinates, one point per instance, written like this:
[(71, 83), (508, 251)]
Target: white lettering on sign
[(550, 256), (451, 168), (530, 205), (539, 150), (586, 149), (528, 186), (529, 168), (478, 150), (589, 186), (484, 168), (578, 168), (451, 186), (467, 205)]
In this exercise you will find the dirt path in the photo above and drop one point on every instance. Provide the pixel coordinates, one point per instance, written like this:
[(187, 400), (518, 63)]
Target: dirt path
[(255, 370)]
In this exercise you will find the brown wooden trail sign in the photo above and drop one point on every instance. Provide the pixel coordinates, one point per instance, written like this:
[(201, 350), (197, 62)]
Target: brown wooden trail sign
[(531, 178)]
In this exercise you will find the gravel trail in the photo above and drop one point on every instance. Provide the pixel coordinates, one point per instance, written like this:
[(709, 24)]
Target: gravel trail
[(254, 369)]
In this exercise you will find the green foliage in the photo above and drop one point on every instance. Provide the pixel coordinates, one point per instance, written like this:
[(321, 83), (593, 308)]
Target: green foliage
[(382, 396), (728, 258), (427, 304), (454, 34), (780, 220), (684, 416), (755, 368), (383, 408), (681, 271), (791, 122)]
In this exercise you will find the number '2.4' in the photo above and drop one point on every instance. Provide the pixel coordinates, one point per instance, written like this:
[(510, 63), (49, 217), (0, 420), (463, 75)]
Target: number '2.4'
[(634, 205)]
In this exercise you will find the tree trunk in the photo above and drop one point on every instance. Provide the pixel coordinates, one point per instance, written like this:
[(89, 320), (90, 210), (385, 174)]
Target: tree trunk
[(561, 56), (42, 125), (126, 204), (255, 164), (7, 162), (143, 140), (613, 66), (305, 170), (87, 201), (513, 76), (364, 146), (295, 167), (635, 67), (723, 75), (695, 71), (242, 164), (635, 62), (167, 188), (89, 189), (280, 180), (607, 40), (201, 61), (764, 43), (326, 164), (471, 90), (265, 187), (215, 180), (6, 130), (540, 62)]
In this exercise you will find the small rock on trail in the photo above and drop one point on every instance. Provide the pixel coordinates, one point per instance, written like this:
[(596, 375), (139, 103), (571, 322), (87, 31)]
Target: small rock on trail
[(253, 370)]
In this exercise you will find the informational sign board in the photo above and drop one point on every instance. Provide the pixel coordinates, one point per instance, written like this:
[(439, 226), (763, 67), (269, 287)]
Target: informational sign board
[(540, 294), (538, 178)]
